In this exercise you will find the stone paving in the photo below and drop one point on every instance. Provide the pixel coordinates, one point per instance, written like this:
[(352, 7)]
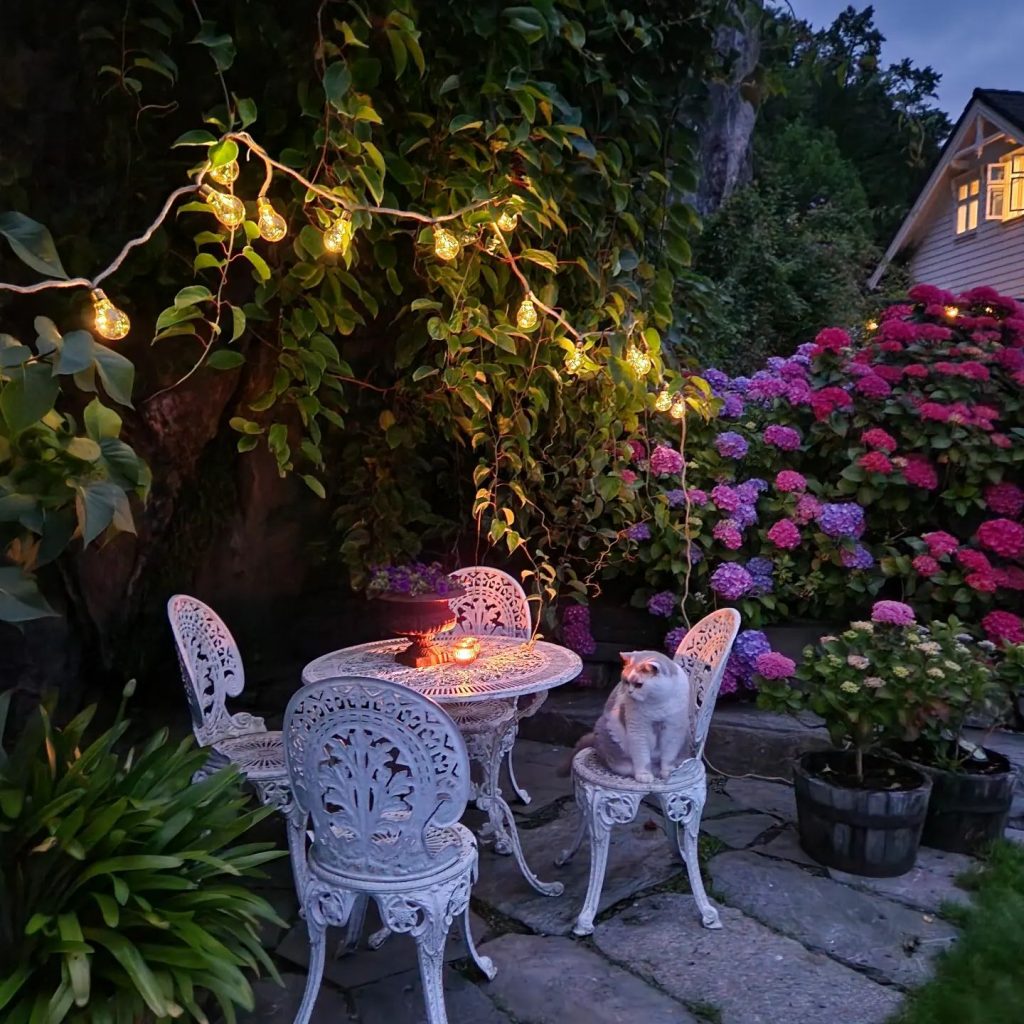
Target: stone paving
[(799, 943)]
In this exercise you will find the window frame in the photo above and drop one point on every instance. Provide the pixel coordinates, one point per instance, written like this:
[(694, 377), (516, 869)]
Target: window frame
[(968, 205), (1003, 178)]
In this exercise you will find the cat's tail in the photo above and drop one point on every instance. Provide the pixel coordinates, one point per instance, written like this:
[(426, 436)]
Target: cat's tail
[(586, 741)]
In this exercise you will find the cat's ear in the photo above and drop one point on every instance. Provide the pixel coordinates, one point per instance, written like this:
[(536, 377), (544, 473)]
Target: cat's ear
[(627, 657)]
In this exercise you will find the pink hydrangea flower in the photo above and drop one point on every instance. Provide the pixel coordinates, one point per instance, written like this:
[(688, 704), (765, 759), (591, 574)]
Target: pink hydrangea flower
[(875, 462), (982, 582), (789, 480), (807, 509), (894, 613), (773, 665), (919, 472), (666, 461), (1004, 498), (873, 386), (876, 437), (728, 533), (1003, 627), (976, 561), (1003, 536), (628, 476), (831, 339), (786, 438), (784, 534), (925, 565), (940, 543)]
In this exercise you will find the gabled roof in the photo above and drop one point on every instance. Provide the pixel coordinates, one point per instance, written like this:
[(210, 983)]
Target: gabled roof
[(1003, 108)]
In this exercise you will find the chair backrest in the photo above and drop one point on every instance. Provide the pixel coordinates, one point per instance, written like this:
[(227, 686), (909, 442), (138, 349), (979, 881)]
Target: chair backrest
[(211, 669), (494, 604), (380, 770), (704, 652)]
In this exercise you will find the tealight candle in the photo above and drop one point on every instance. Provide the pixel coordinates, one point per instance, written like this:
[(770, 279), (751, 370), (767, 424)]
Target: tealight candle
[(466, 649)]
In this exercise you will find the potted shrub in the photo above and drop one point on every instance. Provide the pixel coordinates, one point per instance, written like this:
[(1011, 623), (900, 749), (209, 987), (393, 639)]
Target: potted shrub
[(126, 894), (972, 786), (859, 809), (418, 596)]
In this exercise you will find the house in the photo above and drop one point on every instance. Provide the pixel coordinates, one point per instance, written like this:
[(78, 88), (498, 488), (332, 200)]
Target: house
[(966, 228)]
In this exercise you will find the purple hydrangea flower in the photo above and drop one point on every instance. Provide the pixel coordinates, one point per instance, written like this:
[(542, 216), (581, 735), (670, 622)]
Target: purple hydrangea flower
[(739, 385), (676, 497), (662, 603), (803, 353), (732, 407), (762, 571), (673, 638), (726, 498), (750, 489), (576, 630), (731, 580), (786, 439), (731, 445), (841, 519), (719, 381), (639, 531), (666, 461), (744, 516), (858, 558), (749, 645), (697, 496), (766, 389), (775, 363)]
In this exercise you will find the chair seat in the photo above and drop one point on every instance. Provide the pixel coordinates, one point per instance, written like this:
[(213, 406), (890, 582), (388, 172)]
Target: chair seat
[(259, 756), (455, 838), (589, 767)]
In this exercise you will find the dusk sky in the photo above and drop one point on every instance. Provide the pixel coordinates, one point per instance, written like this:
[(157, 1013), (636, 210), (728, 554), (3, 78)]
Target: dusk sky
[(971, 42)]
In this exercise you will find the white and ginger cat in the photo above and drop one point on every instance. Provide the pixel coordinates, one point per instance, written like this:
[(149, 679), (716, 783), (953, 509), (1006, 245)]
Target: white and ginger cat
[(645, 728)]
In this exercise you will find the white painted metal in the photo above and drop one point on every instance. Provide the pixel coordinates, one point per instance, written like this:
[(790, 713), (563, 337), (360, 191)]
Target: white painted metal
[(606, 799), (382, 776)]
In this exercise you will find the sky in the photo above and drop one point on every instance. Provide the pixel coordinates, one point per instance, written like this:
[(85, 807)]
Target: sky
[(971, 42)]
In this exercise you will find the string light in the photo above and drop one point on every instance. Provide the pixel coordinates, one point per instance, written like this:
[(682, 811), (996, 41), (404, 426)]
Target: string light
[(871, 325), (507, 219), (574, 360), (952, 312), (229, 210), (663, 401), (989, 310), (446, 245), (110, 322), (225, 174), (639, 359), (678, 408), (272, 225), (338, 237), (526, 315)]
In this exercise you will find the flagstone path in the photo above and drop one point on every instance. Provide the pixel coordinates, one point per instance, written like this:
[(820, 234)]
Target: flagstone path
[(799, 943)]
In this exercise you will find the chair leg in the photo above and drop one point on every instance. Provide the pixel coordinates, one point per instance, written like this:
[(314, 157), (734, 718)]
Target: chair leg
[(523, 795), (354, 928), (685, 810), (570, 851), (317, 946), (485, 963)]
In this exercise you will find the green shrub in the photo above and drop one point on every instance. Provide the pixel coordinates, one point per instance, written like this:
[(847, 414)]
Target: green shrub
[(121, 880)]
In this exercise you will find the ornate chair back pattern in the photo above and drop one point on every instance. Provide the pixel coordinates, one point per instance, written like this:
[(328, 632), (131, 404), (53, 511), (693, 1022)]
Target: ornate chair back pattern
[(381, 771), (211, 669), (704, 652), (494, 604)]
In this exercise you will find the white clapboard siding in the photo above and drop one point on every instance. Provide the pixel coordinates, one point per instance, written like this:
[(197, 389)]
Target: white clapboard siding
[(991, 255)]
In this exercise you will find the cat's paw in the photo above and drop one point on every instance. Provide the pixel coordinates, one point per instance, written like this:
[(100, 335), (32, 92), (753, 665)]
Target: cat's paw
[(644, 777)]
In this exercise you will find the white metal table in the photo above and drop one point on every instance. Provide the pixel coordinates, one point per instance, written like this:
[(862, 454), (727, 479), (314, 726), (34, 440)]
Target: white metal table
[(506, 669)]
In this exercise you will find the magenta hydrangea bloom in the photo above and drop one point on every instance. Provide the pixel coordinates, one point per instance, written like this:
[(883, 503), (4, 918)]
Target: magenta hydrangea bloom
[(1003, 536), (807, 509), (732, 581), (925, 565), (784, 534), (790, 481), (728, 533), (731, 445), (893, 613), (673, 638), (666, 461), (663, 603), (786, 438), (576, 630), (726, 498), (628, 476), (940, 543), (1005, 499), (773, 665), (1003, 628)]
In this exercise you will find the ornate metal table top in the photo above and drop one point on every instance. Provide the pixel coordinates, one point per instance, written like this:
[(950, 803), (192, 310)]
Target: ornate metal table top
[(505, 667)]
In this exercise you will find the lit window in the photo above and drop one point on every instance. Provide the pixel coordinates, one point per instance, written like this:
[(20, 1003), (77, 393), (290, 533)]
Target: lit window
[(995, 194), (1004, 190), (967, 198), (1015, 207)]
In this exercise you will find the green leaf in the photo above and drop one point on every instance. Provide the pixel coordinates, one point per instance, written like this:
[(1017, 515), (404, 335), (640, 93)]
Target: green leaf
[(237, 322), (246, 111), (32, 243), (20, 599), (399, 54), (101, 421), (541, 257), (196, 137), (225, 359), (314, 485), (117, 374), (84, 448), (28, 396), (337, 81), (76, 352), (191, 295), (97, 504), (374, 181), (463, 122), (129, 957), (258, 262)]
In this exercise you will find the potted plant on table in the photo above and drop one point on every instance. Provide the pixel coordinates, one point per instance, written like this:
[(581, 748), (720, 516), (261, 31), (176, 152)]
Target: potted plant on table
[(418, 596), (972, 786), (860, 809)]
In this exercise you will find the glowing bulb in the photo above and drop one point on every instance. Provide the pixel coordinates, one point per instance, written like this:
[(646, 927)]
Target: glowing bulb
[(507, 219), (338, 237), (664, 400), (225, 174), (639, 359), (989, 310), (574, 360), (446, 245), (952, 312), (110, 322), (272, 225), (678, 408), (229, 210), (526, 315), (871, 325)]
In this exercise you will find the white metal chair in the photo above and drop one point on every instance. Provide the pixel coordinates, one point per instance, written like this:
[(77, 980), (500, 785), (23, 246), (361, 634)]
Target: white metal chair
[(493, 604), (381, 773), (606, 799), (211, 669)]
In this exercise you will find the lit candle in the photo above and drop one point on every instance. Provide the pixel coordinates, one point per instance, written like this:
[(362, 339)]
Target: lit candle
[(466, 649)]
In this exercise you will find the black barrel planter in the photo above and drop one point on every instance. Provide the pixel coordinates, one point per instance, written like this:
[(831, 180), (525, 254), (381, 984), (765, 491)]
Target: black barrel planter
[(871, 832), (968, 809)]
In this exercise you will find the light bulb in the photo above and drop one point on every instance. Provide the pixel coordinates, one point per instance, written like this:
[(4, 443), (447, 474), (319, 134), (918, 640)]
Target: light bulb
[(989, 311), (229, 210), (574, 360), (952, 312), (225, 173), (110, 322), (338, 237), (526, 315), (272, 225), (678, 408), (446, 245), (507, 219), (639, 359), (663, 402), (871, 325)]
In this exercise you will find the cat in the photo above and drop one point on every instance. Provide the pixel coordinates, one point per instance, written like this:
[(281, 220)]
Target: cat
[(646, 725)]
